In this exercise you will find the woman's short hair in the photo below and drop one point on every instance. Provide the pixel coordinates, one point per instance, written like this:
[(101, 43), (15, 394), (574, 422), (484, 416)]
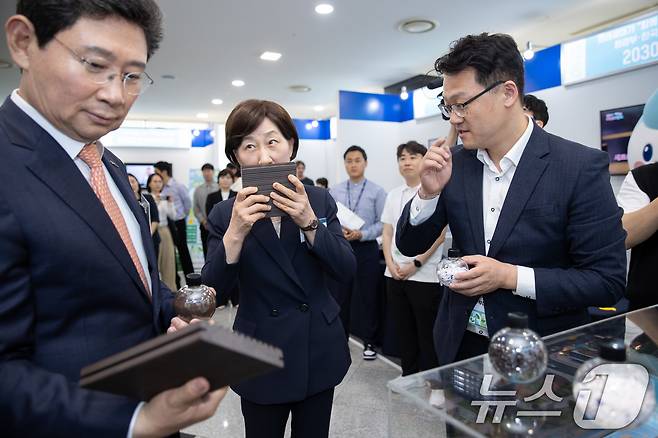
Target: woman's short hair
[(224, 172), (248, 115)]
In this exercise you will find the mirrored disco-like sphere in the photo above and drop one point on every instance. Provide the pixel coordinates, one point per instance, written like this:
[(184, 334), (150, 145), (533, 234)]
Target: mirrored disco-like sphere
[(518, 355)]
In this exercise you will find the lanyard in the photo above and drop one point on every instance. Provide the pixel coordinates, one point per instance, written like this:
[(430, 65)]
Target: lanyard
[(358, 200)]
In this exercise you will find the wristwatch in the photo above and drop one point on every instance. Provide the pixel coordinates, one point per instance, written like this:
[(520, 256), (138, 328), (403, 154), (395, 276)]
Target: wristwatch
[(313, 225), (417, 263)]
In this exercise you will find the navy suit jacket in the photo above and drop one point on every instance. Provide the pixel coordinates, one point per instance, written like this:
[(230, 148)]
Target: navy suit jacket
[(69, 292), (559, 218), (284, 299)]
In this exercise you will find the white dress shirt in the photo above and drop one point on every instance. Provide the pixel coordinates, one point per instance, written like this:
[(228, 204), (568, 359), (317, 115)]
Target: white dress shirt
[(631, 197), (395, 202), (495, 185), (73, 148)]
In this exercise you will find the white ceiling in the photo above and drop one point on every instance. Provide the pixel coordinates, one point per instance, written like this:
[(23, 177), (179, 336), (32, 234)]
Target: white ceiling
[(208, 43)]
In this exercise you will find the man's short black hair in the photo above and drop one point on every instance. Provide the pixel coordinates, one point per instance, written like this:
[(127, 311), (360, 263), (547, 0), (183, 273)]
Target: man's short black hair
[(322, 181), (537, 107), (50, 17), (355, 148), (412, 147), (207, 166), (164, 166), (300, 162), (493, 57)]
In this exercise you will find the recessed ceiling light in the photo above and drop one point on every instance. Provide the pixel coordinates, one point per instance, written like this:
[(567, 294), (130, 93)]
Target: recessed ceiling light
[(318, 108), (324, 8), (168, 76), (417, 25), (300, 88), (217, 101), (238, 83), (270, 56), (202, 115)]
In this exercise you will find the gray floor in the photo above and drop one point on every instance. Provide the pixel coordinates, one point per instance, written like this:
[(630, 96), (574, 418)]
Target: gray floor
[(361, 405)]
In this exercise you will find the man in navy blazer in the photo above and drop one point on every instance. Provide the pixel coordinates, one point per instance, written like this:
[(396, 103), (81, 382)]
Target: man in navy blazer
[(534, 214), (70, 293)]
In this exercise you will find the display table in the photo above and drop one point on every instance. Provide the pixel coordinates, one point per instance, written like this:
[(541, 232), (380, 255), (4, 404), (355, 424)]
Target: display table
[(447, 401)]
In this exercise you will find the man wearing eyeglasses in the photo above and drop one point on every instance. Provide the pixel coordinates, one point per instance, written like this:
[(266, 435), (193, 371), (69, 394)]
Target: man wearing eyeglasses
[(78, 274), (533, 213)]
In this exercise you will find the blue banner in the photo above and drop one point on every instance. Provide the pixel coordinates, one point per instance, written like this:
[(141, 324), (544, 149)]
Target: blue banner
[(375, 107)]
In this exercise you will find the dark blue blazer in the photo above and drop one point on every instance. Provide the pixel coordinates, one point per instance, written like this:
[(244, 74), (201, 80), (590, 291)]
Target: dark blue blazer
[(69, 292), (559, 218), (284, 299)]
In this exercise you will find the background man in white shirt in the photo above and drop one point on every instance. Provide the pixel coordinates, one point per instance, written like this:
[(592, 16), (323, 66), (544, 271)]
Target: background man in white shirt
[(411, 282)]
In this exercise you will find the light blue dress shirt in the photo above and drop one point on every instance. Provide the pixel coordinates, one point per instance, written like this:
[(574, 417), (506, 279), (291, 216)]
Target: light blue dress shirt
[(367, 200)]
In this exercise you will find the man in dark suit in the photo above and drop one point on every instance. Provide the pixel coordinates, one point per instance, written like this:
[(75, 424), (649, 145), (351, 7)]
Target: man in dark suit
[(534, 213), (78, 275)]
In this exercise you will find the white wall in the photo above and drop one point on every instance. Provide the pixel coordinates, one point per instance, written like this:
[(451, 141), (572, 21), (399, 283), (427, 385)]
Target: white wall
[(380, 141), (182, 159), (424, 129), (318, 155)]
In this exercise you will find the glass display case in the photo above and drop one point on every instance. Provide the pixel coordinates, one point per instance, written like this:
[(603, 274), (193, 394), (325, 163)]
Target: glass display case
[(468, 398)]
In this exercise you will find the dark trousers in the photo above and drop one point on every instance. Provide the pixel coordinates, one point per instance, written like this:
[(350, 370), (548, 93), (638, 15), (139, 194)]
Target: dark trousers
[(179, 234), (310, 417), (204, 241), (414, 306), (364, 292), (472, 345)]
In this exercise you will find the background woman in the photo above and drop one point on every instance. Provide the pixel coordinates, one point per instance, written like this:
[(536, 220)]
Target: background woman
[(166, 257), (150, 209)]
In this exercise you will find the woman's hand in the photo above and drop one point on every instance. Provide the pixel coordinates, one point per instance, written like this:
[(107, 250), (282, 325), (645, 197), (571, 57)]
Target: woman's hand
[(248, 209), (294, 203)]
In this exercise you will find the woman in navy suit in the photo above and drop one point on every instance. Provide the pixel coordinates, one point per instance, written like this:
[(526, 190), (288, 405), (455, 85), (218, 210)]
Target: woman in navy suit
[(282, 266)]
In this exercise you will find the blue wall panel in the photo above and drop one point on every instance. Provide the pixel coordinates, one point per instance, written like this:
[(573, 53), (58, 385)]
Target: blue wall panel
[(375, 107), (202, 138), (306, 131), (543, 71)]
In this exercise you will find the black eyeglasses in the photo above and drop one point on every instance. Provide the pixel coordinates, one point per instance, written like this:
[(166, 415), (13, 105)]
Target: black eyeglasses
[(460, 108), (134, 83)]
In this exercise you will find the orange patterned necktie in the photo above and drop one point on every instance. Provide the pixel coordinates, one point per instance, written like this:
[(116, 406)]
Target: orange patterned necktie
[(89, 155)]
